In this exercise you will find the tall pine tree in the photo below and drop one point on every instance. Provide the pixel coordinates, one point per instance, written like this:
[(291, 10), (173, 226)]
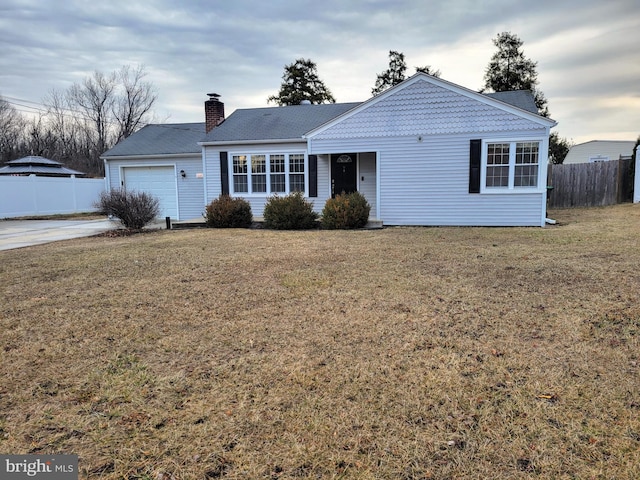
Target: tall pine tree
[(301, 82), (509, 69), (395, 73), (392, 75)]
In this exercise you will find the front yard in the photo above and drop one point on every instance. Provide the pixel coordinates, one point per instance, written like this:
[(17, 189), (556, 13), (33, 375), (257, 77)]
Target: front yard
[(401, 353)]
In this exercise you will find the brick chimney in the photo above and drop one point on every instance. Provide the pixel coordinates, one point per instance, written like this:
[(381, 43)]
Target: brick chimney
[(213, 112)]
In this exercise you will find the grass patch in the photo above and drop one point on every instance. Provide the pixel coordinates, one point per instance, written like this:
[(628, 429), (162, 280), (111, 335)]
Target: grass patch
[(401, 353)]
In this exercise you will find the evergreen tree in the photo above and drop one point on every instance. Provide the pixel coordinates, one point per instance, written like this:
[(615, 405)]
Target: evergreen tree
[(509, 69), (393, 75), (429, 71), (301, 82), (558, 148)]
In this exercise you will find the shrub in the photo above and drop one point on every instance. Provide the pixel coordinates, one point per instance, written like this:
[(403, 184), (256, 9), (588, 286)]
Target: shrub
[(228, 212), (346, 211), (133, 209), (291, 212)]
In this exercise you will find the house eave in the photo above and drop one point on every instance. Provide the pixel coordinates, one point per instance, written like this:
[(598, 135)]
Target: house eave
[(253, 142), (151, 156)]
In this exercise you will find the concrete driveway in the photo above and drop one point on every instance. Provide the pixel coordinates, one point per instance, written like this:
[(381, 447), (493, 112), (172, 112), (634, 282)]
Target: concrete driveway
[(24, 233)]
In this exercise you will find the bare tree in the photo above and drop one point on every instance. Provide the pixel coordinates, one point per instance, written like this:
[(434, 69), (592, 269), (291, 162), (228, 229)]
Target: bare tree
[(94, 99), (81, 122), (12, 127), (39, 138), (131, 109), (63, 124), (109, 108)]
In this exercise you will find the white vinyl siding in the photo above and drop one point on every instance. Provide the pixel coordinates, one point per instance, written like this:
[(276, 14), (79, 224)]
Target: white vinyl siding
[(599, 150), (427, 183), (421, 134)]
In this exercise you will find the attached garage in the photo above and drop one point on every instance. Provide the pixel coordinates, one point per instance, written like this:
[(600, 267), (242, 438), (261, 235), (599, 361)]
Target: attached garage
[(164, 160), (159, 181)]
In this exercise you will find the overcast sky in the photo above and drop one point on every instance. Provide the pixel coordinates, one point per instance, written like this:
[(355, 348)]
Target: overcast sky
[(588, 51)]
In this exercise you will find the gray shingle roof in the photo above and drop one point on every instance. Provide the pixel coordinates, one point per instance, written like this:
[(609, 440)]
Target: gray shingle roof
[(161, 139), (275, 123), (522, 99), (271, 123)]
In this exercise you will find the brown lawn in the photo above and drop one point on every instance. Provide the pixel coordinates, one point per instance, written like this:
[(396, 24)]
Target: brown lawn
[(401, 353)]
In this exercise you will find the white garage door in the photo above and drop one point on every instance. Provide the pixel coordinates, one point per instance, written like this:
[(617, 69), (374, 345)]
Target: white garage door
[(158, 181)]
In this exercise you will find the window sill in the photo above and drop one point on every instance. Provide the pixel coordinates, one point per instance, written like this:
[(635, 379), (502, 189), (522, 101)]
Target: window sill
[(512, 191), (262, 194)]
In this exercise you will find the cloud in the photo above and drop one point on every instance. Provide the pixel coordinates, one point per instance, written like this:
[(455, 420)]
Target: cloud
[(586, 50)]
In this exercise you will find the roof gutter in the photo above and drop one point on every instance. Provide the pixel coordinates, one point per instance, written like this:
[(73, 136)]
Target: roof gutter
[(151, 156), (253, 142)]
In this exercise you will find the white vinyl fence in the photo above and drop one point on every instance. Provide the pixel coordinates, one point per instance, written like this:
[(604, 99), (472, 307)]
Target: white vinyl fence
[(33, 195)]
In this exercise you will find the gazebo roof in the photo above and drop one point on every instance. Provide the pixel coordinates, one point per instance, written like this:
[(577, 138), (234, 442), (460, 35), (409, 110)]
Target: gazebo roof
[(37, 166)]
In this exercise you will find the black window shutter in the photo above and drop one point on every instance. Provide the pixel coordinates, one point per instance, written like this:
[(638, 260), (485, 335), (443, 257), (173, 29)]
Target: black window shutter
[(224, 172), (474, 166), (313, 175)]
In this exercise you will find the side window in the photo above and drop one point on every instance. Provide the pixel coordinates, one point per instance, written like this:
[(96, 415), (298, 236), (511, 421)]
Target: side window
[(278, 179), (511, 165), (497, 165), (240, 183), (296, 173), (526, 170), (258, 174)]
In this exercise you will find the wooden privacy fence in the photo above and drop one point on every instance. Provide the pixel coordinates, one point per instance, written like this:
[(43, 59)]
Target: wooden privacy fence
[(589, 184)]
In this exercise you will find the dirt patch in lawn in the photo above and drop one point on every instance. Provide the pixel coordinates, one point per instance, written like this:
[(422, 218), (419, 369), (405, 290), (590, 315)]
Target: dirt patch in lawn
[(126, 232), (63, 216), (401, 353)]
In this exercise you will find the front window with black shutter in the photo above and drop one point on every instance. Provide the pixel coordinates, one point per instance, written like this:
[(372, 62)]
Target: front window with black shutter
[(268, 174), (497, 165), (240, 182), (510, 165)]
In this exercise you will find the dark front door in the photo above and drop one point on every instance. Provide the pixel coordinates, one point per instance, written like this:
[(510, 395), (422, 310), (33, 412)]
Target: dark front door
[(343, 174)]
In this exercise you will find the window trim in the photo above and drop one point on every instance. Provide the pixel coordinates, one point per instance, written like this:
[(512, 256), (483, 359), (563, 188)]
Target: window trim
[(511, 188), (249, 154)]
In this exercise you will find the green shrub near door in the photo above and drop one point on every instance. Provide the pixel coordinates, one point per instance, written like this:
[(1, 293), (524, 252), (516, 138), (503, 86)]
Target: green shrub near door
[(346, 211), (291, 212), (228, 212)]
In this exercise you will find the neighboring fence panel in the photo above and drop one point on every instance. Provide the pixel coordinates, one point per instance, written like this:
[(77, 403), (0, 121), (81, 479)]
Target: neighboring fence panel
[(636, 188), (33, 195), (589, 184)]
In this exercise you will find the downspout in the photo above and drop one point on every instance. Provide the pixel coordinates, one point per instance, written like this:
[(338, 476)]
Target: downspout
[(204, 174), (107, 177)]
